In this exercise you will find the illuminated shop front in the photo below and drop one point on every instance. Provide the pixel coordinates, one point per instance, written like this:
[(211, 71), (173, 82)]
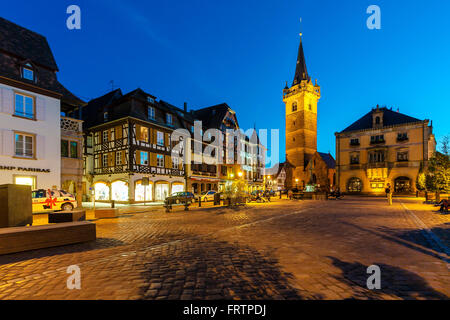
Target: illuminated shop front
[(26, 180), (119, 191), (161, 191), (101, 191), (142, 192), (177, 187)]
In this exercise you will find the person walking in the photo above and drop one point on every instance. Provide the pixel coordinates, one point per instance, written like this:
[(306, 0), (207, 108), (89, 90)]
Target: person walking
[(389, 194)]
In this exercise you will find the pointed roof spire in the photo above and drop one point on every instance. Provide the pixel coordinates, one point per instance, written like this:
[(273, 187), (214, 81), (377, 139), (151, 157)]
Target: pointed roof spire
[(301, 73)]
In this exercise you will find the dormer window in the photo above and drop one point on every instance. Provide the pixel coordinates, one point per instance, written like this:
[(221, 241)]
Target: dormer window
[(28, 73), (377, 120), (150, 99), (105, 116), (169, 118)]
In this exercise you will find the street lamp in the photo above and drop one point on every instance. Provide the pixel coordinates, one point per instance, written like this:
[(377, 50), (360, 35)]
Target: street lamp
[(296, 183), (240, 174)]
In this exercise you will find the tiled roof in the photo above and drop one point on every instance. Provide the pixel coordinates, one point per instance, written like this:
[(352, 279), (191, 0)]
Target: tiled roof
[(390, 118), (212, 117), (19, 46), (329, 160), (26, 44)]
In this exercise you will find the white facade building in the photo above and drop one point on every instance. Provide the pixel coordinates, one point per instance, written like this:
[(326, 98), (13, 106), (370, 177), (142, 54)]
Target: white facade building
[(30, 138)]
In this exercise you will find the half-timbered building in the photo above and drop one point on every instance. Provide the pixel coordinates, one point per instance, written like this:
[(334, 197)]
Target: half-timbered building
[(129, 157)]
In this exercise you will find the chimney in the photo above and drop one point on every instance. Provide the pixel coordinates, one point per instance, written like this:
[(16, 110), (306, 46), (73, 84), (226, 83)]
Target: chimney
[(185, 107)]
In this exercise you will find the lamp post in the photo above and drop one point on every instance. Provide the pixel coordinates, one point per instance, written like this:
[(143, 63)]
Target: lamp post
[(296, 183)]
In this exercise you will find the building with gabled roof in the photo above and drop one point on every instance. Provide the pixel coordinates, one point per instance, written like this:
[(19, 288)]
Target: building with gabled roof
[(39, 147), (382, 148)]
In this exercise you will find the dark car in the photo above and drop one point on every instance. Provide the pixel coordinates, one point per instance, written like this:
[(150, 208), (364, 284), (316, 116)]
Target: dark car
[(180, 198)]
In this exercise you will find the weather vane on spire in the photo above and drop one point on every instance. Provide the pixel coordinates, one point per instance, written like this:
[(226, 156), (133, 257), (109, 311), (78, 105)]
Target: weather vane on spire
[(301, 33)]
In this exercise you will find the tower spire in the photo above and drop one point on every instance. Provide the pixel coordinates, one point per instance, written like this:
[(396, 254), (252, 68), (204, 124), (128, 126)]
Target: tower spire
[(301, 73)]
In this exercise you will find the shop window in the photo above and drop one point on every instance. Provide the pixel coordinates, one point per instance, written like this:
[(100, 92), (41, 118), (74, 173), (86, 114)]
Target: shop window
[(26, 181), (354, 185), (161, 191), (142, 192), (24, 106), (101, 191), (119, 191), (177, 188)]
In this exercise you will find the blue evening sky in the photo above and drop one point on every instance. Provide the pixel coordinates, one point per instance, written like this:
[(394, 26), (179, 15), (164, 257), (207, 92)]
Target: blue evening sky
[(242, 52)]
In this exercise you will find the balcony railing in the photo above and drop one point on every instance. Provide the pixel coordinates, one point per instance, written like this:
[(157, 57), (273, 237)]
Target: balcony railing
[(71, 125)]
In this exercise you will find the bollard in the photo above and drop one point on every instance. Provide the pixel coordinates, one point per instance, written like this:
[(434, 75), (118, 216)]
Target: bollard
[(200, 202), (113, 204)]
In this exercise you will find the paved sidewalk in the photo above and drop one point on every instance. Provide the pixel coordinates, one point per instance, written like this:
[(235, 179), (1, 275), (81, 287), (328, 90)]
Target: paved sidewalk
[(282, 250)]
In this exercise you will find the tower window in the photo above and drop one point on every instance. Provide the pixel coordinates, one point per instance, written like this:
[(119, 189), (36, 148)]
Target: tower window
[(310, 107), (294, 107)]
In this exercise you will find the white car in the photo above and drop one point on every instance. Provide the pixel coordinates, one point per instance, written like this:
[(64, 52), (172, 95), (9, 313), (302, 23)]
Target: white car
[(208, 196)]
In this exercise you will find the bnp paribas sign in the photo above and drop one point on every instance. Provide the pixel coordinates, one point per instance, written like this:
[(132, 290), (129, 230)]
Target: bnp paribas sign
[(9, 168)]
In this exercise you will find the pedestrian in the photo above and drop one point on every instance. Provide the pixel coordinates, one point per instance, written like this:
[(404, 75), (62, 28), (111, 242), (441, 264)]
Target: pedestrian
[(444, 206), (389, 193)]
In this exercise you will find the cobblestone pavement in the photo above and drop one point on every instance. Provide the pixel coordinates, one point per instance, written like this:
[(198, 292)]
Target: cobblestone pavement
[(282, 250)]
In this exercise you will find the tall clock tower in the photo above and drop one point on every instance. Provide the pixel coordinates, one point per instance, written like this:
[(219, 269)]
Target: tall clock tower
[(301, 121)]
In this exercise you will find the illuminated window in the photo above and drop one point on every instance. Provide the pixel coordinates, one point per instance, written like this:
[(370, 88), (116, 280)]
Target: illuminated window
[(119, 191), (144, 134), (25, 181), (105, 136), (101, 191)]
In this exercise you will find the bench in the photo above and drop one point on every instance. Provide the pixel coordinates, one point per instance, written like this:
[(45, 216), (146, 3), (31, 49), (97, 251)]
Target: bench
[(21, 239), (106, 213), (67, 216)]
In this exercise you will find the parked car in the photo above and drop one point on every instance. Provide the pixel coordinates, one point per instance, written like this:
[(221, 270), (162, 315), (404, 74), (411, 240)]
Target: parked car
[(52, 200), (180, 197), (208, 195)]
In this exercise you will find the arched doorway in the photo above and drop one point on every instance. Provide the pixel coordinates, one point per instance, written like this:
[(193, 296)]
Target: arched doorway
[(161, 191), (101, 191), (354, 185), (143, 192), (119, 190), (402, 185)]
